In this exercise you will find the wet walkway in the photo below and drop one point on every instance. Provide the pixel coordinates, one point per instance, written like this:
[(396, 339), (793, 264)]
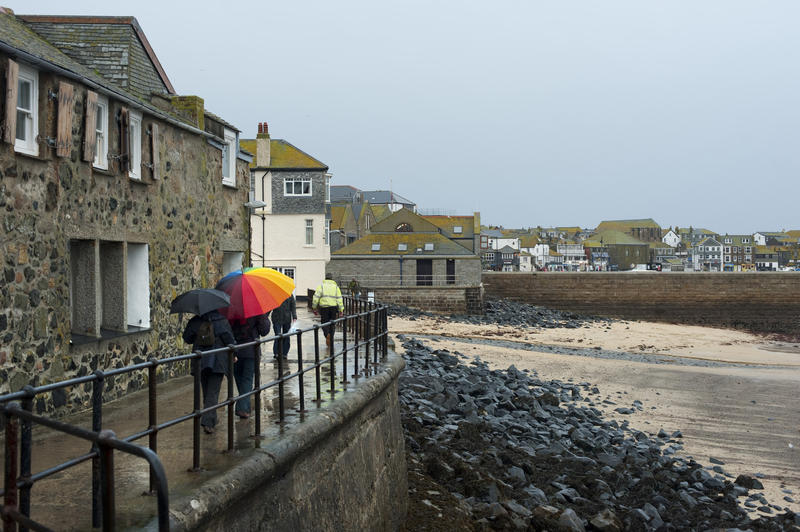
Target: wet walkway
[(63, 501)]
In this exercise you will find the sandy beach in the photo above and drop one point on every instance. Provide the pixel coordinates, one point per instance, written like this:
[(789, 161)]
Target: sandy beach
[(732, 394)]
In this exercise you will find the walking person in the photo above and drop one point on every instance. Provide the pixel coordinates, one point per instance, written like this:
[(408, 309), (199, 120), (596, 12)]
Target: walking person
[(206, 332), (328, 299), (283, 319), (246, 331)]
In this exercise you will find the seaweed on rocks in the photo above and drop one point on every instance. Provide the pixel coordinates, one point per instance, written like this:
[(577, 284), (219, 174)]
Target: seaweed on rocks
[(505, 450)]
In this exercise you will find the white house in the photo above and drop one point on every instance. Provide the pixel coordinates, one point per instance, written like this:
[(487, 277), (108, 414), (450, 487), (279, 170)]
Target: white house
[(290, 231), (672, 238)]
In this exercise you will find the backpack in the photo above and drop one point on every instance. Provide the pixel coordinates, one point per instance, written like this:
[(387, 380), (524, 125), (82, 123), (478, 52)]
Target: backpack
[(205, 334)]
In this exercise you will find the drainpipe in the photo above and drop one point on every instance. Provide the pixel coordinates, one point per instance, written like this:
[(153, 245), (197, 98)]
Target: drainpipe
[(263, 228), (401, 270)]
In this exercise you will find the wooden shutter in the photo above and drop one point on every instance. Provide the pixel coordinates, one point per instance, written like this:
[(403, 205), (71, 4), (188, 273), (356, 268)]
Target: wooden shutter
[(154, 149), (124, 140), (90, 135), (64, 135), (10, 123)]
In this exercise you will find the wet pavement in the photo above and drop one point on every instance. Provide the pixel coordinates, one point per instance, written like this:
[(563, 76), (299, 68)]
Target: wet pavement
[(63, 501)]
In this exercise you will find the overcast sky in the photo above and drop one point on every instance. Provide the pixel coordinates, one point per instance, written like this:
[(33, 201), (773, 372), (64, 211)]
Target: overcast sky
[(533, 113)]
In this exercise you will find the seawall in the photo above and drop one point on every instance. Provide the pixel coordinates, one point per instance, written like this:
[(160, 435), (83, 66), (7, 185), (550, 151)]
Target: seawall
[(343, 468), (763, 301)]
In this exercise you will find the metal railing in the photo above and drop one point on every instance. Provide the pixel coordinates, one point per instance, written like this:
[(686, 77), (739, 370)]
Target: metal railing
[(365, 321)]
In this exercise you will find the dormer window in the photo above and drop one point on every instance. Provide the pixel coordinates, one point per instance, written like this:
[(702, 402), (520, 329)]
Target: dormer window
[(376, 246), (297, 186), (229, 158)]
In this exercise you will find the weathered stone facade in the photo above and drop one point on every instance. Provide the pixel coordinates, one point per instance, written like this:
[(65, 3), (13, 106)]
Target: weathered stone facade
[(313, 204), (394, 271), (71, 231)]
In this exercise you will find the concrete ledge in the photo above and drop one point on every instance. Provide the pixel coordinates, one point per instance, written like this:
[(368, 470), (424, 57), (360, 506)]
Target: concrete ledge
[(342, 468)]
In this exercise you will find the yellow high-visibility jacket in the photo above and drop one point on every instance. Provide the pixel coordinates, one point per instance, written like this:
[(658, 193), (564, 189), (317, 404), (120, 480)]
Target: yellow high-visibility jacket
[(328, 294)]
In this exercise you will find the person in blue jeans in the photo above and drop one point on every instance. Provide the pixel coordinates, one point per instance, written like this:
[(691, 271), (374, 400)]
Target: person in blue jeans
[(283, 318), (244, 368)]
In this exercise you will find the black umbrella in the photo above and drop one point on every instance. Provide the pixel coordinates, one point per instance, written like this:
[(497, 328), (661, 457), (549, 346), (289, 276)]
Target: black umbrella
[(199, 301)]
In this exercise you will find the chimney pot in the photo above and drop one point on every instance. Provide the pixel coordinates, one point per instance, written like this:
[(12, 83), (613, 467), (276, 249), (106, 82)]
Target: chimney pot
[(266, 128), (260, 127)]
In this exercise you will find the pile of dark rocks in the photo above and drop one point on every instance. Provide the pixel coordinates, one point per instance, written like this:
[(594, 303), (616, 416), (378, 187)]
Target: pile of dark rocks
[(504, 450), (506, 312)]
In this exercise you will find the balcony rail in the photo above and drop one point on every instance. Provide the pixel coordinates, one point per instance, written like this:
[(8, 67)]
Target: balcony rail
[(364, 328)]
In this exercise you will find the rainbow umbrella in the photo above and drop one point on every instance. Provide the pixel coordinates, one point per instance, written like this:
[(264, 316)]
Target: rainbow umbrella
[(254, 291)]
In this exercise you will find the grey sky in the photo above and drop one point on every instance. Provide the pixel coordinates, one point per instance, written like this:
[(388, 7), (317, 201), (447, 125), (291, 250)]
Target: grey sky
[(533, 113)]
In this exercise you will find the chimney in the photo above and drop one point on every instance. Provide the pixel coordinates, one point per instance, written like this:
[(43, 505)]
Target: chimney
[(262, 145)]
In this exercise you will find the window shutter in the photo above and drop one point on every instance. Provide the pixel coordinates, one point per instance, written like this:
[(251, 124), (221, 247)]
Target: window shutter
[(154, 149), (124, 140), (10, 123), (64, 135), (90, 135)]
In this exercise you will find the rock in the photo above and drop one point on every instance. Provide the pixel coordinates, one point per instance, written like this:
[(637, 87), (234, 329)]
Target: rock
[(606, 521), (748, 482), (570, 521), (545, 512)]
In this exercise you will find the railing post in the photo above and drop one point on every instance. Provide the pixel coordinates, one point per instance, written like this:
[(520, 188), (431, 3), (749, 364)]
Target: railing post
[(26, 450), (10, 499), (367, 339), (107, 474), (375, 336), (196, 364), (344, 352), (152, 403), (231, 403), (385, 332), (301, 371), (97, 426), (356, 332), (281, 354), (332, 366), (257, 386), (317, 368)]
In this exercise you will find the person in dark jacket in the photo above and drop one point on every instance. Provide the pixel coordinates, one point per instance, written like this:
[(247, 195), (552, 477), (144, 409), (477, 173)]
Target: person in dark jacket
[(212, 367), (244, 369), (283, 318)]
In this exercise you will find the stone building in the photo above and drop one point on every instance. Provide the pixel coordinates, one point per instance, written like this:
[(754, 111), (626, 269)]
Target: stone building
[(409, 260), (646, 230), (291, 231), (117, 195)]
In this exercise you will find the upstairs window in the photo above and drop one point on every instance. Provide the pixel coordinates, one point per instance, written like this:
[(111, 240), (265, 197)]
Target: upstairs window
[(457, 229), (327, 232), (327, 188), (101, 134), (402, 247), (135, 146), (27, 127), (229, 159), (309, 232), (297, 186), (376, 247), (428, 246)]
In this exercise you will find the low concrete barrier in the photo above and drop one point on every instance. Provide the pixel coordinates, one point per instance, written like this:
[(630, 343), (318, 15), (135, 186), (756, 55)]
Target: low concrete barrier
[(343, 468)]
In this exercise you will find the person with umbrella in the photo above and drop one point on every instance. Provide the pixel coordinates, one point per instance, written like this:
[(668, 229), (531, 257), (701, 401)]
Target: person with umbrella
[(206, 331), (283, 318), (245, 331)]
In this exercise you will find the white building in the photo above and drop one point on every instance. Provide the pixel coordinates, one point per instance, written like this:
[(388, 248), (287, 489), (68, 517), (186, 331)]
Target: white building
[(290, 232), (671, 238)]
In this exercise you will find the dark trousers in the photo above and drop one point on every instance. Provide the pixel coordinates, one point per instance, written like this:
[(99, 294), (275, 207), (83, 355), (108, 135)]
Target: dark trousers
[(281, 347), (327, 314), (211, 383), (244, 370)]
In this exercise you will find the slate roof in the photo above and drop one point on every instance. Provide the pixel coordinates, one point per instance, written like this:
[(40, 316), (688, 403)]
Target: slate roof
[(337, 216), (381, 212), (528, 241), (626, 225), (343, 193), (442, 246), (708, 241), (447, 223), (283, 156), (385, 197), (613, 238)]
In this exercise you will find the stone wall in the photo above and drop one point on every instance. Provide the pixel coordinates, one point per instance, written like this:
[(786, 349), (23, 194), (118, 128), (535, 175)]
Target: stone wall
[(764, 301), (61, 213), (379, 271), (434, 299), (343, 469)]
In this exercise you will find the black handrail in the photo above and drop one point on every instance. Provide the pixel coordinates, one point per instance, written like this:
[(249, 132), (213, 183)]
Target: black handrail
[(357, 317)]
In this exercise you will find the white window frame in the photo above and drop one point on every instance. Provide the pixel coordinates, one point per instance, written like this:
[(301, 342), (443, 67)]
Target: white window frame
[(457, 229), (376, 246), (402, 247), (309, 232), (327, 188), (294, 181), (101, 135), (28, 145), (327, 235), (428, 246), (229, 150), (138, 285), (135, 139)]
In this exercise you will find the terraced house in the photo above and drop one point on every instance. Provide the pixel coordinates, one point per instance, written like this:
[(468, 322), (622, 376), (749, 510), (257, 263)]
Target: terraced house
[(291, 221), (737, 253), (117, 193)]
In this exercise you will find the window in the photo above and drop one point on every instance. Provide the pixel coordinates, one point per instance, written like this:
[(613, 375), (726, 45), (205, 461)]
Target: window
[(727, 241), (747, 249), (229, 159), (327, 232), (490, 257), (252, 186), (403, 228), (457, 229), (109, 295), (327, 188), (727, 249), (101, 134), (297, 186), (135, 139), (27, 111), (428, 246), (402, 247), (745, 240), (376, 246), (309, 232)]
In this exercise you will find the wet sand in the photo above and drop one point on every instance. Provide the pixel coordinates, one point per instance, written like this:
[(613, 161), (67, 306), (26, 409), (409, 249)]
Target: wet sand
[(744, 409)]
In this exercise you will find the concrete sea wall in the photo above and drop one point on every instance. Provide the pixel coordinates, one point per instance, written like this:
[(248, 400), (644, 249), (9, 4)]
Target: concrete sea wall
[(343, 468), (763, 301)]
